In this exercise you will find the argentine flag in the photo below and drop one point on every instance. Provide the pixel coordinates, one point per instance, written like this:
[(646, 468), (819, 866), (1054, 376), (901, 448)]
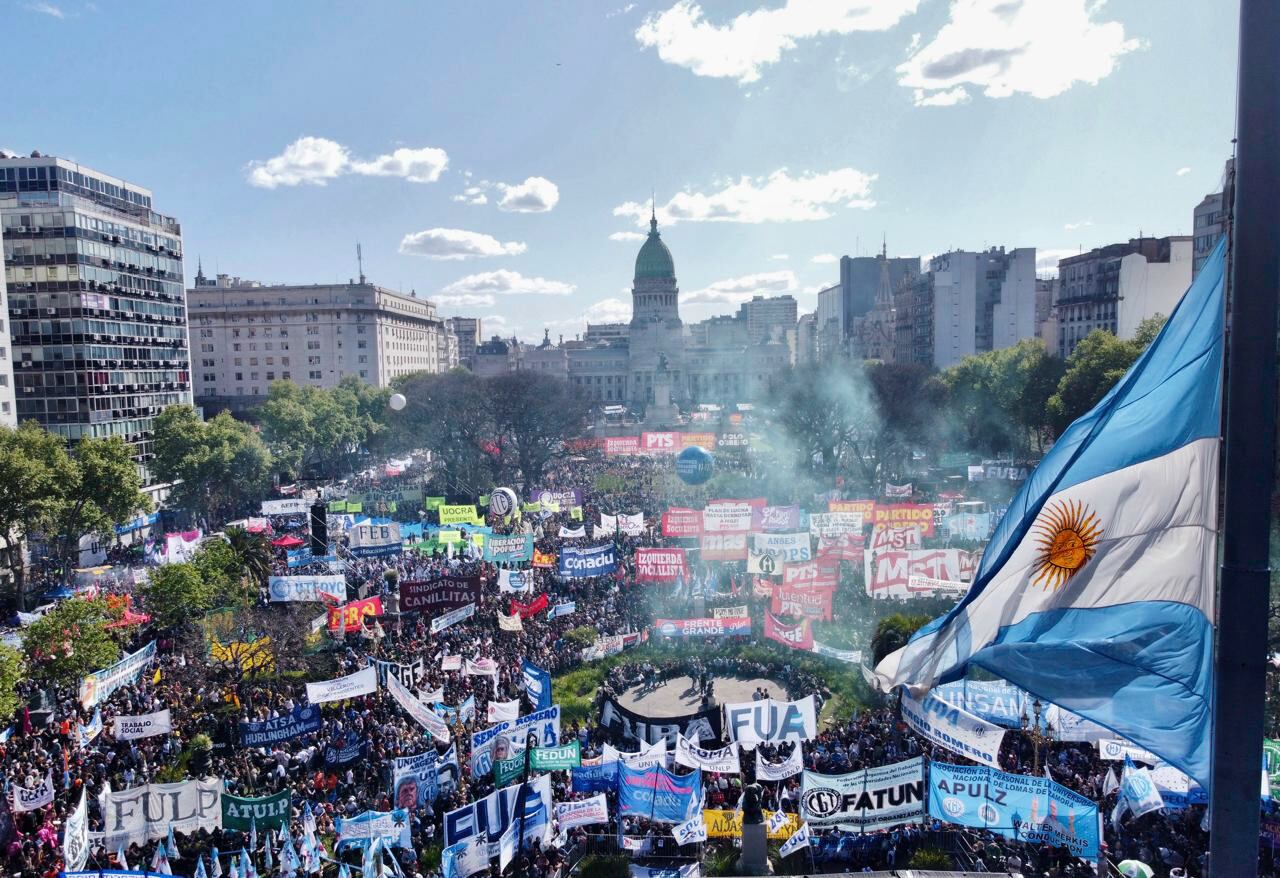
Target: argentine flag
[(1096, 592)]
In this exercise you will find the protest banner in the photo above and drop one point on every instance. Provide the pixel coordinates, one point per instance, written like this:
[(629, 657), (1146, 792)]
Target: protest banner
[(852, 656), (783, 548), (661, 565), (374, 540), (264, 812), (659, 442), (724, 546), (585, 812), (417, 780), (462, 513), (742, 611), (99, 685), (628, 725), (562, 609), (621, 446), (578, 563), (755, 722), (75, 837), (560, 758), (439, 594), (314, 589), (131, 728), (30, 798), (728, 824), (351, 616), (544, 560), (418, 712), (722, 627), (780, 518), (905, 514), (500, 741), (1030, 809), (362, 682), (812, 603), (888, 573), (810, 574), (830, 524), (797, 635), (488, 819), (727, 516), (897, 537), (145, 813), (390, 827), (410, 674), (723, 760), (515, 581), (842, 547), (286, 506), (631, 525), (537, 682), (453, 617), (775, 771), (658, 795), (681, 522), (599, 776), (531, 609), (871, 799), (302, 720), (559, 498), (865, 508), (504, 549), (952, 728)]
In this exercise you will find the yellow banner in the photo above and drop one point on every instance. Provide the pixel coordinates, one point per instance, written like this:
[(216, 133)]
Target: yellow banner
[(253, 656), (728, 824), (463, 514)]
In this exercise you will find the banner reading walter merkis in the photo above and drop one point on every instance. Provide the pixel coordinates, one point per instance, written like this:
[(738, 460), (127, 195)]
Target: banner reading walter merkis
[(438, 595), (661, 565), (141, 814), (632, 726), (875, 798), (583, 563)]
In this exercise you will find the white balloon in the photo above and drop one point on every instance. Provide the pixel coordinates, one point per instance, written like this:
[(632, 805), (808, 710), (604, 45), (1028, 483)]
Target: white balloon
[(397, 402)]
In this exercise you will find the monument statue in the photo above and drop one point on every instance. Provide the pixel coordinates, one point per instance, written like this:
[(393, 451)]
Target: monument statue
[(751, 810)]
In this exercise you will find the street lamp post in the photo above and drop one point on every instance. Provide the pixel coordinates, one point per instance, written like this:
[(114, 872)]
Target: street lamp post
[(1040, 734)]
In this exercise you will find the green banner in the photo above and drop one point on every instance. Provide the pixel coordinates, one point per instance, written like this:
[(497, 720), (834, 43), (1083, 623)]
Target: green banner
[(531, 507), (954, 459), (464, 513), (576, 513), (1271, 761), (268, 812), (507, 770), (556, 758), (433, 503), (338, 506), (355, 507), (484, 499)]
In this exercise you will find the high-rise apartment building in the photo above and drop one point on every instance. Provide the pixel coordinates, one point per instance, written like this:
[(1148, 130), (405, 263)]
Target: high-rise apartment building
[(769, 318), (1209, 219), (97, 317), (246, 335), (8, 411), (467, 331)]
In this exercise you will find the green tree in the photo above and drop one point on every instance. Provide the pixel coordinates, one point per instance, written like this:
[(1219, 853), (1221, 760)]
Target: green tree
[(176, 594), (311, 430), (251, 554), (219, 566), (997, 400), (13, 671), (220, 468), (1094, 367), (821, 408), (69, 641), (450, 414), (533, 415), (893, 632)]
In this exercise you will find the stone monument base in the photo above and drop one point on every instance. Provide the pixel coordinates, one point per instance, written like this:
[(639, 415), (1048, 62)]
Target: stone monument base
[(755, 851)]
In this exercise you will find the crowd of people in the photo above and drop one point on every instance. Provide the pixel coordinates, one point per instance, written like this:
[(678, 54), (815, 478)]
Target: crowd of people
[(343, 768)]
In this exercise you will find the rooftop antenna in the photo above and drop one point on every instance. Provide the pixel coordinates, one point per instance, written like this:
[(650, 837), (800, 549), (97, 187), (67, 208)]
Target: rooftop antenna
[(884, 245), (360, 262)]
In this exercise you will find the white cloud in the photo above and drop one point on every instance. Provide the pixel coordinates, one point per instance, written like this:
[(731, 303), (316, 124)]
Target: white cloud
[(825, 258), (1006, 47), (506, 282), (1182, 172), (1047, 258), (472, 195), (608, 311), (779, 198), (780, 257), (317, 160), (626, 236), (1083, 224), (623, 10), (752, 40), (466, 300), (736, 290), (534, 195), (47, 9), (423, 165), (457, 244)]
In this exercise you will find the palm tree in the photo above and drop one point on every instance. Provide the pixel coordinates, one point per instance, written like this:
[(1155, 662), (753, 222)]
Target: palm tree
[(252, 554)]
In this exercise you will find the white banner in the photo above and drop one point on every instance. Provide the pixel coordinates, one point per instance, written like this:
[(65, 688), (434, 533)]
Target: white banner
[(789, 767), (1114, 749), (769, 552), (875, 798), (515, 580), (825, 525), (419, 712), (631, 525), (314, 589), (739, 612), (691, 831), (75, 840), (509, 623), (574, 533), (954, 729), (753, 722), (504, 711), (129, 728), (585, 812), (141, 814), (729, 517), (453, 662), (723, 761), (360, 683), (481, 667), (607, 527), (797, 841), (97, 686), (453, 617), (24, 799), (288, 506), (374, 539), (852, 656)]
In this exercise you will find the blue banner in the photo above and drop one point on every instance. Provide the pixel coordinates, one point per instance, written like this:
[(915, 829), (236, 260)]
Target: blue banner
[(993, 700), (338, 753), (302, 720), (1028, 809), (658, 795), (537, 682), (596, 778), (582, 563), (299, 557)]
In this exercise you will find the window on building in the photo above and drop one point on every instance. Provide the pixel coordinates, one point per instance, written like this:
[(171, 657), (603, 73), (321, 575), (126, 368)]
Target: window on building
[(314, 374), (239, 376)]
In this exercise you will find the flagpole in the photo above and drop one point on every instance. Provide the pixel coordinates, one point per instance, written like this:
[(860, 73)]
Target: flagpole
[(1248, 448)]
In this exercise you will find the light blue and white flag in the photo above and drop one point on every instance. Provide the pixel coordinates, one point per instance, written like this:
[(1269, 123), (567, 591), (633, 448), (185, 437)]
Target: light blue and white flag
[(507, 845), (798, 840), (200, 872), (1138, 793), (1096, 591), (537, 684), (124, 863), (215, 864), (171, 845)]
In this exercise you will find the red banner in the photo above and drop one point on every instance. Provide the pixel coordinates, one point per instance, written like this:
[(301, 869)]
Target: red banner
[(895, 537), (531, 609), (813, 603), (866, 507), (706, 440), (761, 587), (797, 636), (903, 515), (811, 574), (681, 522), (544, 559), (618, 446), (661, 565), (354, 613), (841, 547), (659, 443), (724, 547)]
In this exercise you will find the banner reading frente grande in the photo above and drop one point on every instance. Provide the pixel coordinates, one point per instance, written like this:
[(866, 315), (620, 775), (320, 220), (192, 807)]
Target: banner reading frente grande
[(722, 627)]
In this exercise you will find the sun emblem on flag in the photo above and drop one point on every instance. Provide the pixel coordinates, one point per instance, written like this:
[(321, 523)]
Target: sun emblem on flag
[(1067, 533)]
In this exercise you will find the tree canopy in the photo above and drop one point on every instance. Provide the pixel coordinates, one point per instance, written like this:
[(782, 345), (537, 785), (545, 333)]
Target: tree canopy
[(1097, 363), (219, 468)]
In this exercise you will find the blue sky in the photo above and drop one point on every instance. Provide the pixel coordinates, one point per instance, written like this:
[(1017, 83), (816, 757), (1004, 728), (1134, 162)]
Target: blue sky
[(773, 132)]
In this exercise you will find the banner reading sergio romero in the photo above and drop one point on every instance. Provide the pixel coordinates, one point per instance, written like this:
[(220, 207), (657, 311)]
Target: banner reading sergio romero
[(506, 738), (874, 798), (1033, 809), (583, 563)]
